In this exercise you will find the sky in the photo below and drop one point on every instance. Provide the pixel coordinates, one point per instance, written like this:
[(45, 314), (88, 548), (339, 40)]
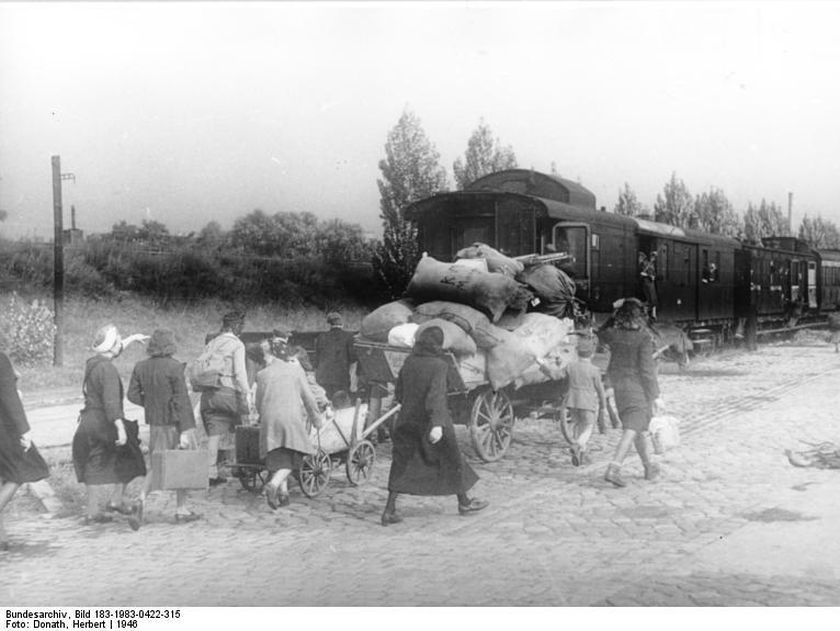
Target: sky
[(193, 112)]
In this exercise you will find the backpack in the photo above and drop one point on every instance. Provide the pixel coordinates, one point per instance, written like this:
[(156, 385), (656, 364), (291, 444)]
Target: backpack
[(205, 371)]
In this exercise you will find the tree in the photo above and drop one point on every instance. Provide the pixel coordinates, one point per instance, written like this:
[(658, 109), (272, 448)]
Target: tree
[(766, 220), (714, 213), (484, 155), (819, 232), (675, 205), (410, 171), (628, 204), (212, 234)]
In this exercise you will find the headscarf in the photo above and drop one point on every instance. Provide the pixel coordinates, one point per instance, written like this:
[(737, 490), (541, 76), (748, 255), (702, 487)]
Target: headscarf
[(630, 315), (107, 340), (429, 341)]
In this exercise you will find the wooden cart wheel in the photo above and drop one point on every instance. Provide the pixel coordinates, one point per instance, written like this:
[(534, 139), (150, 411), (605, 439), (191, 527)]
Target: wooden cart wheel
[(360, 462), (253, 480), (491, 424), (315, 473)]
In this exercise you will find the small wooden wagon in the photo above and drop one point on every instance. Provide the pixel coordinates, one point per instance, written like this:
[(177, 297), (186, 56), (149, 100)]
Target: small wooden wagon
[(342, 438)]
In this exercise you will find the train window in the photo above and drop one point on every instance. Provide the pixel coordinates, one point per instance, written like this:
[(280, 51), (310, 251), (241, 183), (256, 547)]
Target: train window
[(468, 230), (662, 262), (596, 241), (515, 228), (572, 239)]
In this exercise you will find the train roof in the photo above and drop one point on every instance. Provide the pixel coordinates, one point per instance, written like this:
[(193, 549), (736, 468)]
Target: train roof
[(550, 208), (829, 254), (529, 182)]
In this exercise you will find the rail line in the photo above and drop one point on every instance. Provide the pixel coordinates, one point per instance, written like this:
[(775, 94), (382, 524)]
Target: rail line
[(718, 414)]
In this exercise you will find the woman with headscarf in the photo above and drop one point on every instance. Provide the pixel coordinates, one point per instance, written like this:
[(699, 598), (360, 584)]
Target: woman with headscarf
[(425, 457), (159, 386), (284, 401), (106, 449), (20, 461), (632, 373)]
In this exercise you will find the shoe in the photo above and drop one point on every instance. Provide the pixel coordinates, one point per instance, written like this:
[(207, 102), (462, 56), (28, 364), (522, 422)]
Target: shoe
[(185, 518), (651, 471), (473, 507), (613, 475), (122, 509), (99, 518), (271, 497), (576, 453), (391, 517), (217, 481)]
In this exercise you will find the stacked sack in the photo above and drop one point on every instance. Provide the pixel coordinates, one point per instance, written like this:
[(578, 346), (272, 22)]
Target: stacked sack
[(482, 314)]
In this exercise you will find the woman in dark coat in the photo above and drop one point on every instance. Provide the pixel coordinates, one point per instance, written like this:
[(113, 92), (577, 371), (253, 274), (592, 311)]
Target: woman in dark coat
[(632, 372), (106, 450), (158, 384), (20, 461), (425, 455)]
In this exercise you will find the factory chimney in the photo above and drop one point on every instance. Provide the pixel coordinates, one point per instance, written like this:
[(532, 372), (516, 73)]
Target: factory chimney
[(72, 217), (790, 213)]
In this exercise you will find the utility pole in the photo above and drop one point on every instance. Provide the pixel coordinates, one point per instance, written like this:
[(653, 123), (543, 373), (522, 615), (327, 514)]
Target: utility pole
[(58, 261)]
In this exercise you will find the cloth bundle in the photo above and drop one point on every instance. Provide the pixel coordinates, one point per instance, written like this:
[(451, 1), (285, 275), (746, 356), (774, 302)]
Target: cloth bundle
[(490, 292)]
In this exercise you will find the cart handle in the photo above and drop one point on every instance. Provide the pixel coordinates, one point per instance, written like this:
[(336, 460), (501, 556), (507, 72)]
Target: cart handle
[(381, 420)]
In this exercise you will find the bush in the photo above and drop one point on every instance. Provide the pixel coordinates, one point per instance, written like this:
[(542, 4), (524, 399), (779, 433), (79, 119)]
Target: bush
[(27, 331)]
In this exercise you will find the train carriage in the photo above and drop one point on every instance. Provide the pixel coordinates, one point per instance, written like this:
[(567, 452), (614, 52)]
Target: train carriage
[(703, 280)]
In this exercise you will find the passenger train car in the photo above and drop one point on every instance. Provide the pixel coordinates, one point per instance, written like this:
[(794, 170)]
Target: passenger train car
[(703, 280)]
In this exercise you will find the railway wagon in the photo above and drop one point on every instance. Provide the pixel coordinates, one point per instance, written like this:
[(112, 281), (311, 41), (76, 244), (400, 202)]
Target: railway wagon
[(703, 280)]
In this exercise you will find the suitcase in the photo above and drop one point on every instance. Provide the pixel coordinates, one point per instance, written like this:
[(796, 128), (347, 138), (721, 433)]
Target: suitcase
[(248, 445), (180, 469)]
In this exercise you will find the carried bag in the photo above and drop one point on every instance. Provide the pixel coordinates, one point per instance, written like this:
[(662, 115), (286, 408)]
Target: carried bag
[(664, 432), (205, 371), (179, 469)]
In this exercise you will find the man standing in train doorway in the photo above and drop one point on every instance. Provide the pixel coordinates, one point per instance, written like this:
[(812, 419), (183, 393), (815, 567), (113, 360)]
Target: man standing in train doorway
[(647, 278)]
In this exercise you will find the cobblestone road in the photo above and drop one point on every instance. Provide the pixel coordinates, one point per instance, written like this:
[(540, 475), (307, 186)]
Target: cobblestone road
[(729, 523)]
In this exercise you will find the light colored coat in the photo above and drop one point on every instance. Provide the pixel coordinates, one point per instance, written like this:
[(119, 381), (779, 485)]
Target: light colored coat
[(283, 401)]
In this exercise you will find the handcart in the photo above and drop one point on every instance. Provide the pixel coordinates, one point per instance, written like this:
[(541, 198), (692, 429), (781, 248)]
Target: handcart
[(488, 413), (342, 438)]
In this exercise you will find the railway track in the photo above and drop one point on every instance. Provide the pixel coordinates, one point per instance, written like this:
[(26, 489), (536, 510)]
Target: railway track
[(716, 415)]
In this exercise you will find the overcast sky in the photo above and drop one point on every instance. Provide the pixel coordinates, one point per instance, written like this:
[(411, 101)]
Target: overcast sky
[(186, 113)]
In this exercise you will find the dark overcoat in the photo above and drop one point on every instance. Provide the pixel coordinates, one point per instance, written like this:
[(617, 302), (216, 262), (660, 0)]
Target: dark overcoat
[(96, 456), (334, 353), (158, 384), (419, 467), (16, 465), (632, 369)]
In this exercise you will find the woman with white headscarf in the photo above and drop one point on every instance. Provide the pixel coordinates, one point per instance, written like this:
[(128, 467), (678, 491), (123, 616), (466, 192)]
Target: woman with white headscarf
[(105, 448)]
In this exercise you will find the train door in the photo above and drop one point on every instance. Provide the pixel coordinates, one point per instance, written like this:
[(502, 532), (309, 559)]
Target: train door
[(812, 285), (680, 300), (574, 238)]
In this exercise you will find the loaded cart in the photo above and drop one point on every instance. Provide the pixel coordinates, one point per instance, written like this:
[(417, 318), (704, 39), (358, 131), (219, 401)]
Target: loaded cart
[(343, 438), (488, 413)]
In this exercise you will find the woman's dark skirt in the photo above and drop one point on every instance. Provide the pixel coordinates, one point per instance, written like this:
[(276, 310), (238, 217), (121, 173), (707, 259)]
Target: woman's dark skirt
[(98, 459), (17, 465), (283, 458)]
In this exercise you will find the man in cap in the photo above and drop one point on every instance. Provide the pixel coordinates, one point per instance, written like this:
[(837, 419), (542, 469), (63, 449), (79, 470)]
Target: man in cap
[(334, 354)]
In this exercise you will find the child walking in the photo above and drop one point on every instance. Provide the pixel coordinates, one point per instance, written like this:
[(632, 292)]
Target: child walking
[(585, 395)]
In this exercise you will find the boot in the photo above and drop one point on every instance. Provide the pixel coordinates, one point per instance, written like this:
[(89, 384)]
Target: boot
[(613, 476), (651, 471)]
